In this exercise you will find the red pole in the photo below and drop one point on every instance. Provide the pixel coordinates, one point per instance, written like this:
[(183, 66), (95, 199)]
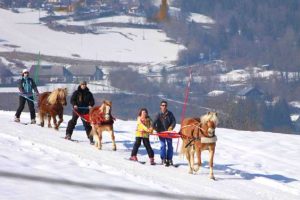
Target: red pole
[(187, 91)]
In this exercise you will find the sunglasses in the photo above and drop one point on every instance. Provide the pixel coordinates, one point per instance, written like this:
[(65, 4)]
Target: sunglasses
[(26, 73), (163, 105)]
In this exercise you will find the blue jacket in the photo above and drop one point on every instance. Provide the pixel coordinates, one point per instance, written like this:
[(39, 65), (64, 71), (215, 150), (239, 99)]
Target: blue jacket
[(26, 85), (163, 121)]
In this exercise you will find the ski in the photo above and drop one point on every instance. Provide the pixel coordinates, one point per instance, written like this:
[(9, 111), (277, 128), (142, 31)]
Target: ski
[(72, 140), (140, 162)]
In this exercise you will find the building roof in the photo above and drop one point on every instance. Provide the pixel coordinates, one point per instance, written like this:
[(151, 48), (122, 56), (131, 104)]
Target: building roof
[(248, 90), (85, 70), (48, 70)]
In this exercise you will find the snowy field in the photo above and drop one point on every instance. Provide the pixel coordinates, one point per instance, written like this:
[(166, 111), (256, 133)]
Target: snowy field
[(37, 163), (113, 44)]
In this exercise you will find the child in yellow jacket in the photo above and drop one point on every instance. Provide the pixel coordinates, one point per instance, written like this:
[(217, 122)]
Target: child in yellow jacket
[(144, 128)]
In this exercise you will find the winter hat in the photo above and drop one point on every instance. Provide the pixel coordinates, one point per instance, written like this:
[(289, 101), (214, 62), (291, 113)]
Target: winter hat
[(24, 71), (82, 83)]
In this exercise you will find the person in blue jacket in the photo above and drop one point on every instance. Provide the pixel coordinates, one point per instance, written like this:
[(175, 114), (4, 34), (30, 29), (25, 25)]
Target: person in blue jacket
[(26, 87), (165, 121)]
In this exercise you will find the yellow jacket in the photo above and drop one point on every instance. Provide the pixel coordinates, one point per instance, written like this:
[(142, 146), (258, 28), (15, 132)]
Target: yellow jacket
[(144, 128)]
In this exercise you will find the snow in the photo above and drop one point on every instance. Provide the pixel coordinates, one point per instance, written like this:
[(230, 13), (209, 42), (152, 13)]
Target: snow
[(215, 93), (295, 104), (37, 163), (112, 19), (113, 44), (199, 18)]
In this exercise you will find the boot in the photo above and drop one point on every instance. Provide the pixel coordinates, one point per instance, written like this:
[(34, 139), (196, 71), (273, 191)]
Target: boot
[(163, 161), (170, 162), (68, 137), (167, 164), (17, 119), (91, 141), (33, 121), (133, 158), (152, 161)]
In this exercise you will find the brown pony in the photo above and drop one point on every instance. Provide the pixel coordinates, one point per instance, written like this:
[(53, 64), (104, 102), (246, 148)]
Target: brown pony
[(102, 120), (51, 104), (198, 134)]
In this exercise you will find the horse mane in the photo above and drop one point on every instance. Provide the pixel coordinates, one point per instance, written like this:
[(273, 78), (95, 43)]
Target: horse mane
[(57, 93), (210, 116)]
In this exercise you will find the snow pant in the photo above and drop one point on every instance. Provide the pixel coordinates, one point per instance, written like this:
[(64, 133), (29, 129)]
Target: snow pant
[(72, 123), (147, 145), (22, 101), (164, 153)]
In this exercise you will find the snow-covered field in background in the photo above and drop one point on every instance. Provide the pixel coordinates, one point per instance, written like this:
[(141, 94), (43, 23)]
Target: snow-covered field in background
[(113, 44), (37, 163), (112, 19)]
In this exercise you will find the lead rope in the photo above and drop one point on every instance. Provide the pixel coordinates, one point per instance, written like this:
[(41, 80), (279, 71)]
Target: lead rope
[(187, 91)]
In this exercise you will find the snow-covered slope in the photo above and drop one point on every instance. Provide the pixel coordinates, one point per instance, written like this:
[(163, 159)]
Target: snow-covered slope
[(113, 44), (37, 163)]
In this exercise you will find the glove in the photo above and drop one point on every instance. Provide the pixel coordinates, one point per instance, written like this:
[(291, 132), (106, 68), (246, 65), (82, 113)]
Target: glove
[(170, 128), (151, 130)]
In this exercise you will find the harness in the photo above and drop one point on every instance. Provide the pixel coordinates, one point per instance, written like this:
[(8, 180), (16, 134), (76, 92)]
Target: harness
[(192, 139)]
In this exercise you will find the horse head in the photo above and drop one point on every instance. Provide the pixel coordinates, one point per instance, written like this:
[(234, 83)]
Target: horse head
[(62, 97), (58, 96), (209, 123), (105, 108)]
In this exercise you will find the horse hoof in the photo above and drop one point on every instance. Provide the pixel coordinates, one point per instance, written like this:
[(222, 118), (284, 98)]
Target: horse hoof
[(212, 177), (196, 169), (191, 172), (115, 149)]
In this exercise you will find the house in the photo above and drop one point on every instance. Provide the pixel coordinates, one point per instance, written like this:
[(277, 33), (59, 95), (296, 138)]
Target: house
[(250, 93), (85, 73), (6, 77), (51, 73), (297, 125)]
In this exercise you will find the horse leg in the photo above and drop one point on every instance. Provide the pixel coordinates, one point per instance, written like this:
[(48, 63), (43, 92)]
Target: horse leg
[(55, 122), (211, 149), (188, 157), (100, 138), (42, 116), (198, 155), (49, 121), (192, 157), (60, 116), (113, 140), (95, 136)]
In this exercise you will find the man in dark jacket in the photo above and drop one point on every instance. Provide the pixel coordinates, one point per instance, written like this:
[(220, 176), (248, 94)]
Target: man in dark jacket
[(26, 85), (82, 100), (165, 121)]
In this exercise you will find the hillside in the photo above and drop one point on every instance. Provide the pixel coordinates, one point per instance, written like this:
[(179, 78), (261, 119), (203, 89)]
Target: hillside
[(24, 33), (37, 163)]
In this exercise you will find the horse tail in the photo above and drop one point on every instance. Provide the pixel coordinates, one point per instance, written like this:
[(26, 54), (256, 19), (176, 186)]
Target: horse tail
[(183, 149)]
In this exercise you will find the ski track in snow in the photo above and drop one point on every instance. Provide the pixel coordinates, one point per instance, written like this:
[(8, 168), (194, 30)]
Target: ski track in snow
[(248, 165)]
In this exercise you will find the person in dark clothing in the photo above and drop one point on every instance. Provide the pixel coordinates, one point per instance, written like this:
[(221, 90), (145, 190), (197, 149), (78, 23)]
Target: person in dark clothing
[(165, 121), (82, 100), (26, 85)]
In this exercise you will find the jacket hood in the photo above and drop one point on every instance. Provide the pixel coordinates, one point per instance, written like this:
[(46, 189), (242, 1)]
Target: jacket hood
[(81, 90)]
